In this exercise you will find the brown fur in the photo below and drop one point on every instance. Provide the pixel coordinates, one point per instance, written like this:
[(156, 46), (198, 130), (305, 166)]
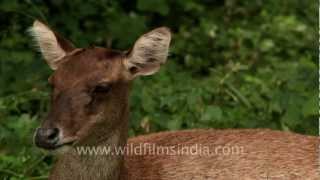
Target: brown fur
[(266, 153), (87, 116)]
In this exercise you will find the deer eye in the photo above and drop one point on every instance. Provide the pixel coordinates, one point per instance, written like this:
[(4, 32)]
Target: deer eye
[(102, 88)]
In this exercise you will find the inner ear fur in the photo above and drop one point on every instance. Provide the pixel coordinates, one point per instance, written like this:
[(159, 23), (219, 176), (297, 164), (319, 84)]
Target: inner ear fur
[(149, 52)]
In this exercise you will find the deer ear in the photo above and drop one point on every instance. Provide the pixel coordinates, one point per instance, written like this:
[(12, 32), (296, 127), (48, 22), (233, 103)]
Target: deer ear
[(52, 46), (149, 52)]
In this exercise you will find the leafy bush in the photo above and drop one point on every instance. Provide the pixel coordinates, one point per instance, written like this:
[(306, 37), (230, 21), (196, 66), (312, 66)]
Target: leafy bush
[(233, 64)]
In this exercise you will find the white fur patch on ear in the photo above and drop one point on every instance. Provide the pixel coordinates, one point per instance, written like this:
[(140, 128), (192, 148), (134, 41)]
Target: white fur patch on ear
[(149, 52), (47, 43)]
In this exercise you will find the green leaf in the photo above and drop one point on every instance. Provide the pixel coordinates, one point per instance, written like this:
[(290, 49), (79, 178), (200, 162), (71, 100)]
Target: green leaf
[(292, 115), (211, 113), (311, 107), (174, 124), (158, 6)]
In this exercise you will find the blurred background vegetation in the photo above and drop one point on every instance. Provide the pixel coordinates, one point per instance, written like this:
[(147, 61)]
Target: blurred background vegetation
[(232, 64)]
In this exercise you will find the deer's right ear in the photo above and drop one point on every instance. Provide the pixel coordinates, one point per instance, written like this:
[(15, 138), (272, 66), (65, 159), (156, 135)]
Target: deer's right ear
[(52, 46)]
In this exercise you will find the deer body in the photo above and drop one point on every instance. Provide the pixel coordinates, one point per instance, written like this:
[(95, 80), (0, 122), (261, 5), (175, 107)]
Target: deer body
[(90, 101), (266, 154)]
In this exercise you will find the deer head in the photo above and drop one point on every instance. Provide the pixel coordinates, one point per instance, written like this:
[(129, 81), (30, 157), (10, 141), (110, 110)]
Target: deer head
[(91, 85)]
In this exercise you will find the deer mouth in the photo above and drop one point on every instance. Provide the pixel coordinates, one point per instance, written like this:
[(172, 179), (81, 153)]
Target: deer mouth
[(56, 146), (63, 144), (53, 144)]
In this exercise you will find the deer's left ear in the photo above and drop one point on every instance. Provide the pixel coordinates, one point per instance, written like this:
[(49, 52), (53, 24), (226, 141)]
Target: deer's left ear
[(149, 52), (52, 46)]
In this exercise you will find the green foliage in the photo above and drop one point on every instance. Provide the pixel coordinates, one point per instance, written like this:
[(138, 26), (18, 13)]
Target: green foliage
[(233, 64)]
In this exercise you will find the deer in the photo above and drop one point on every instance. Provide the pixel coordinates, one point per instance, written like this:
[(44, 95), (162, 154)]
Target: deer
[(90, 108)]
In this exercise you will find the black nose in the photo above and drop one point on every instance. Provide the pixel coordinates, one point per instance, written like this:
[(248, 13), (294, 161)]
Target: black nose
[(47, 137)]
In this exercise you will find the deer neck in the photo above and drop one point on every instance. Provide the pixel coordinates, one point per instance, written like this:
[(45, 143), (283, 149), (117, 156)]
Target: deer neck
[(96, 160)]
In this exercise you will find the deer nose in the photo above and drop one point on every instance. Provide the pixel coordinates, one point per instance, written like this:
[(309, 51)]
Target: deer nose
[(47, 138)]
